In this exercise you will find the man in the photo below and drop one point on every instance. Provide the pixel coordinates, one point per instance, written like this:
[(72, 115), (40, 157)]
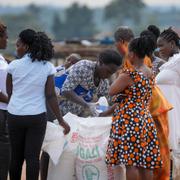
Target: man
[(70, 60)]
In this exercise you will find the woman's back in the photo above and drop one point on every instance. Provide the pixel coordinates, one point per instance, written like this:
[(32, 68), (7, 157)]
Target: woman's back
[(139, 93), (29, 79)]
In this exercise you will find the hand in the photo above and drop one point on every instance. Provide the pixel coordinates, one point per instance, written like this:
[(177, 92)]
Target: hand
[(102, 114), (66, 126), (92, 109), (119, 97)]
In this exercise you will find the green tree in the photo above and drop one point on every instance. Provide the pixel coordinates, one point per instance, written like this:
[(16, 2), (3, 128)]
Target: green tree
[(79, 21), (58, 27), (123, 11), (34, 10)]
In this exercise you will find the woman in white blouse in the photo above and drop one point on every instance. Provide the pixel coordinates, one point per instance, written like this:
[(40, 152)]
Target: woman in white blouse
[(169, 81), (30, 83)]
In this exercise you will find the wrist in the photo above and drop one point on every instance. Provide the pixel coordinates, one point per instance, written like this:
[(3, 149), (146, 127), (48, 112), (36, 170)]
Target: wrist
[(60, 119)]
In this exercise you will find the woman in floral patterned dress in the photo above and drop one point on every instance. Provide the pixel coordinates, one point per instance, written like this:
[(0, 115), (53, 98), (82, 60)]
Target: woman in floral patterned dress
[(133, 137)]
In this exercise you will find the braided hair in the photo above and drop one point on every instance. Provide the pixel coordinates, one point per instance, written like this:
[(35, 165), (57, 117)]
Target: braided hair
[(170, 35)]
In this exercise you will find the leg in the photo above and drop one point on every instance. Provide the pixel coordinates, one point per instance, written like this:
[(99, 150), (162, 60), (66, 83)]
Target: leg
[(119, 172), (44, 165), (4, 146), (35, 132), (17, 138), (132, 173), (4, 160), (146, 174)]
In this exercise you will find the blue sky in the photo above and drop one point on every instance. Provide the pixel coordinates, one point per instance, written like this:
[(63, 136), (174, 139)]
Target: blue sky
[(90, 3)]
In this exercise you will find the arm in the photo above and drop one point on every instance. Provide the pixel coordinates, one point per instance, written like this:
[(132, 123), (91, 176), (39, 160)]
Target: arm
[(108, 112), (72, 96), (3, 98), (9, 85), (76, 77), (121, 83), (51, 99), (91, 107)]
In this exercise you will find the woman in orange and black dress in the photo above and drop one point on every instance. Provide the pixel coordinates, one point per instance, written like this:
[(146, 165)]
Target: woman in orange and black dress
[(133, 137)]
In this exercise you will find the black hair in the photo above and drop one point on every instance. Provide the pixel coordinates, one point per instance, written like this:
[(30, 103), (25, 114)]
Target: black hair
[(141, 46), (155, 30), (110, 57), (147, 33), (3, 29), (170, 35), (152, 40), (40, 46), (123, 33)]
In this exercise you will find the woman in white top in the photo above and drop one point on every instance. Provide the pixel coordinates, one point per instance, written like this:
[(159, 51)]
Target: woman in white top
[(4, 138), (169, 81), (30, 83)]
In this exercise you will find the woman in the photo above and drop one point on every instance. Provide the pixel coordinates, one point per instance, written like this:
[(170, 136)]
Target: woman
[(168, 81), (4, 138), (30, 83), (159, 108), (87, 81), (133, 137)]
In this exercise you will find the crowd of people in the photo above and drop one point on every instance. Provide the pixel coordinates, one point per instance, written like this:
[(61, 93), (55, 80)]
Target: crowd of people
[(143, 95)]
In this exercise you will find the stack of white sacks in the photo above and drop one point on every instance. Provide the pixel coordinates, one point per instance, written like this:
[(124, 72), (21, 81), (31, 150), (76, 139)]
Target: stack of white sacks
[(81, 154)]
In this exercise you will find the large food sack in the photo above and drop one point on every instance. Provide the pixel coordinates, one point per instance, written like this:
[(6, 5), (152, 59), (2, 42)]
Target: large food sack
[(83, 156), (54, 141), (91, 151)]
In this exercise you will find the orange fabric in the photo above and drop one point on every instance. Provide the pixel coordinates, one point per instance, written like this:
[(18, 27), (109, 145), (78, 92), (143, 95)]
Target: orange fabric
[(147, 61), (161, 122), (128, 65), (159, 107)]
